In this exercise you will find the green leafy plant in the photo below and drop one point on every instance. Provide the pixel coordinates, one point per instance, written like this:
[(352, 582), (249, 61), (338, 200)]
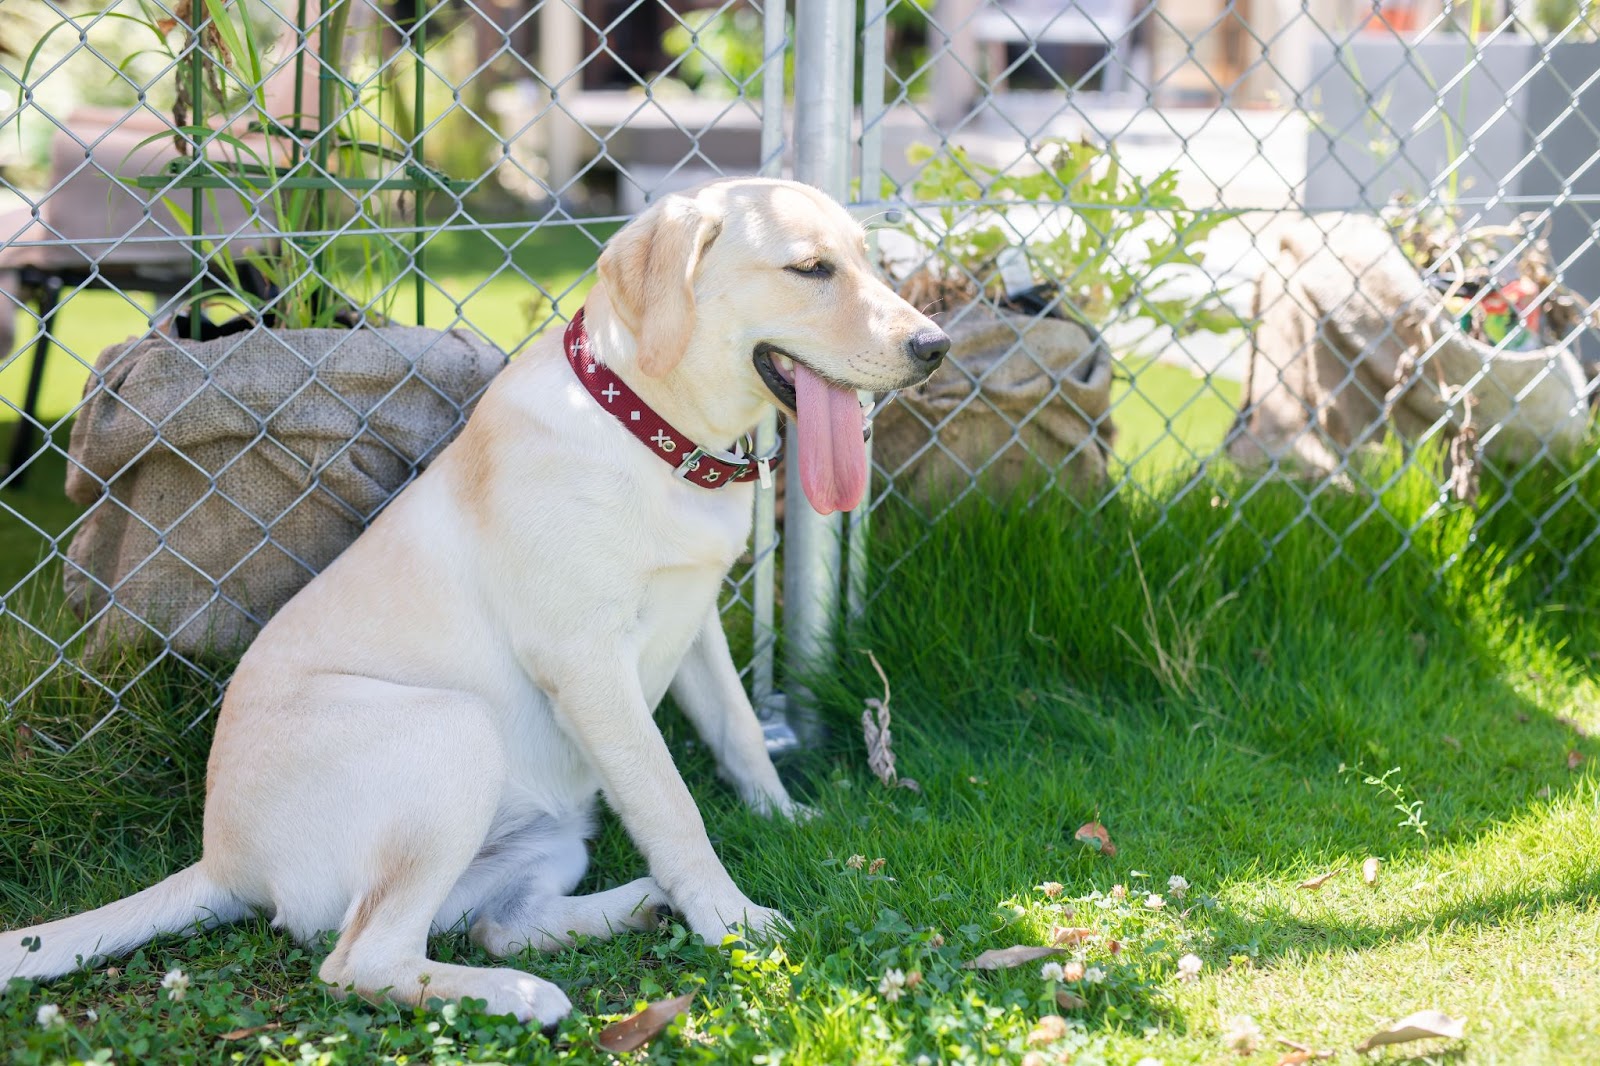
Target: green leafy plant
[(314, 175), (1110, 242), (1411, 810), (720, 52)]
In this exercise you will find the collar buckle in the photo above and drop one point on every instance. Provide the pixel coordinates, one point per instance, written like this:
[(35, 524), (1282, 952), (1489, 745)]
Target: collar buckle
[(691, 462)]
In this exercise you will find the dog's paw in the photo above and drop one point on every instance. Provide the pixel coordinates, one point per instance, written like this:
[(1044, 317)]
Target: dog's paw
[(529, 998), (741, 919), (779, 805), (799, 813), (763, 923)]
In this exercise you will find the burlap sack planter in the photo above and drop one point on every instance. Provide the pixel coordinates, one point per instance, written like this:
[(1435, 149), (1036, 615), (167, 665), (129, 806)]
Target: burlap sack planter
[(1351, 342), (221, 476), (1021, 401)]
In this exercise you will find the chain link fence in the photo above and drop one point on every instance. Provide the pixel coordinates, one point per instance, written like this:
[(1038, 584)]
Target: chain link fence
[(1184, 248)]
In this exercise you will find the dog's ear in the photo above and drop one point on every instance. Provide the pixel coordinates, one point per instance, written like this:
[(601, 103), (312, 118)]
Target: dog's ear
[(648, 269)]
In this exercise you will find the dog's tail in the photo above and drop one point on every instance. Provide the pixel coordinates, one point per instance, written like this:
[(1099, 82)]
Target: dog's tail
[(186, 901)]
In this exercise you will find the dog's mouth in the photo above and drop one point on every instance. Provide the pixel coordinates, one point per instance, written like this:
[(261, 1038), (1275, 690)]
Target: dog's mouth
[(829, 424), (776, 368)]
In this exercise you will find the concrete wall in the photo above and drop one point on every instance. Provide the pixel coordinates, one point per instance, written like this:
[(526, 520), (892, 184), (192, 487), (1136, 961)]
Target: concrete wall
[(1390, 118)]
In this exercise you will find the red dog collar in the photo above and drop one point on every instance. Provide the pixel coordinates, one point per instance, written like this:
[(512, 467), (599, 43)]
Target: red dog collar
[(706, 467)]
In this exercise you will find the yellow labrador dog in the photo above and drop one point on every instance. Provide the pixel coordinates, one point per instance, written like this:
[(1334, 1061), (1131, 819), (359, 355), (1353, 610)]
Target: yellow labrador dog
[(418, 737)]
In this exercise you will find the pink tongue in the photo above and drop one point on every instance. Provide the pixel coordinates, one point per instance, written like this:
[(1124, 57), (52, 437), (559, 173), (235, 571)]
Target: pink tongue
[(833, 456)]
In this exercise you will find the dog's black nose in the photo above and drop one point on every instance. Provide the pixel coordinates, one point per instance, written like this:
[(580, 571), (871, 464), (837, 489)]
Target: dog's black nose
[(929, 346)]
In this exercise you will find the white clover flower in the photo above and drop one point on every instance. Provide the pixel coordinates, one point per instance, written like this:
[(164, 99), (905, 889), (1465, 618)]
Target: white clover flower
[(1051, 889), (177, 985), (1094, 975), (893, 983), (856, 862), (49, 1017), (1050, 971), (1189, 967), (1154, 902), (1243, 1035), (1177, 885)]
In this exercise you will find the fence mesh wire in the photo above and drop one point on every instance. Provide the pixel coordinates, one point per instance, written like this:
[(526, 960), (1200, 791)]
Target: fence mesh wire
[(1153, 223)]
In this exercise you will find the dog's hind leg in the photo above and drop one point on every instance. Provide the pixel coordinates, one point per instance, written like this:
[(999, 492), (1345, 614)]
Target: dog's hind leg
[(406, 829), (535, 908), (550, 923), (383, 953)]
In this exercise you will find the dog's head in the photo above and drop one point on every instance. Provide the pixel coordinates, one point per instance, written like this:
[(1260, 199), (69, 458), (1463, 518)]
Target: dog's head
[(759, 292)]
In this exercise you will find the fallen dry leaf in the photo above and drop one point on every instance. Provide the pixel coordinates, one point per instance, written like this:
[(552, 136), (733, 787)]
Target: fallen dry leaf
[(1574, 759), (1070, 1001), (20, 749), (1314, 883), (1423, 1025), (1067, 938), (240, 1034), (1369, 870), (1006, 958), (1114, 946), (880, 749), (1094, 834), (633, 1033), (1450, 741), (1294, 1058)]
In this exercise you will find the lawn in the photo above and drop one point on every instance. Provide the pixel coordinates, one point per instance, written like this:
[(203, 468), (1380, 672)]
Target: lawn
[(1221, 713)]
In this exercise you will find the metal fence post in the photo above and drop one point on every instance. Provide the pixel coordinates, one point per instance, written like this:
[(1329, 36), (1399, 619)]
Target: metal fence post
[(763, 590), (824, 99), (874, 23)]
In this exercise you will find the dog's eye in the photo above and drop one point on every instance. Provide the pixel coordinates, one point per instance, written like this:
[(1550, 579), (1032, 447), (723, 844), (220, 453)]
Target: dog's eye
[(819, 269)]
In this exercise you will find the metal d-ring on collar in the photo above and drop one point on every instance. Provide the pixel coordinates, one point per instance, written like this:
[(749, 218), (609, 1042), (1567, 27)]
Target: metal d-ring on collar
[(741, 457)]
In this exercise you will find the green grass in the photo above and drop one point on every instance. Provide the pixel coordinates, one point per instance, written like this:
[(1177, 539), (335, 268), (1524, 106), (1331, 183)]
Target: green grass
[(1218, 710)]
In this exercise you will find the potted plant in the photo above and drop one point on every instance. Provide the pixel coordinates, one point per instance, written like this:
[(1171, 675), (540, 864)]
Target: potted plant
[(1026, 269)]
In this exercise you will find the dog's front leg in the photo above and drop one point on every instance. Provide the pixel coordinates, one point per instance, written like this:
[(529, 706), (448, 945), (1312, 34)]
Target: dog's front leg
[(603, 708), (708, 690)]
